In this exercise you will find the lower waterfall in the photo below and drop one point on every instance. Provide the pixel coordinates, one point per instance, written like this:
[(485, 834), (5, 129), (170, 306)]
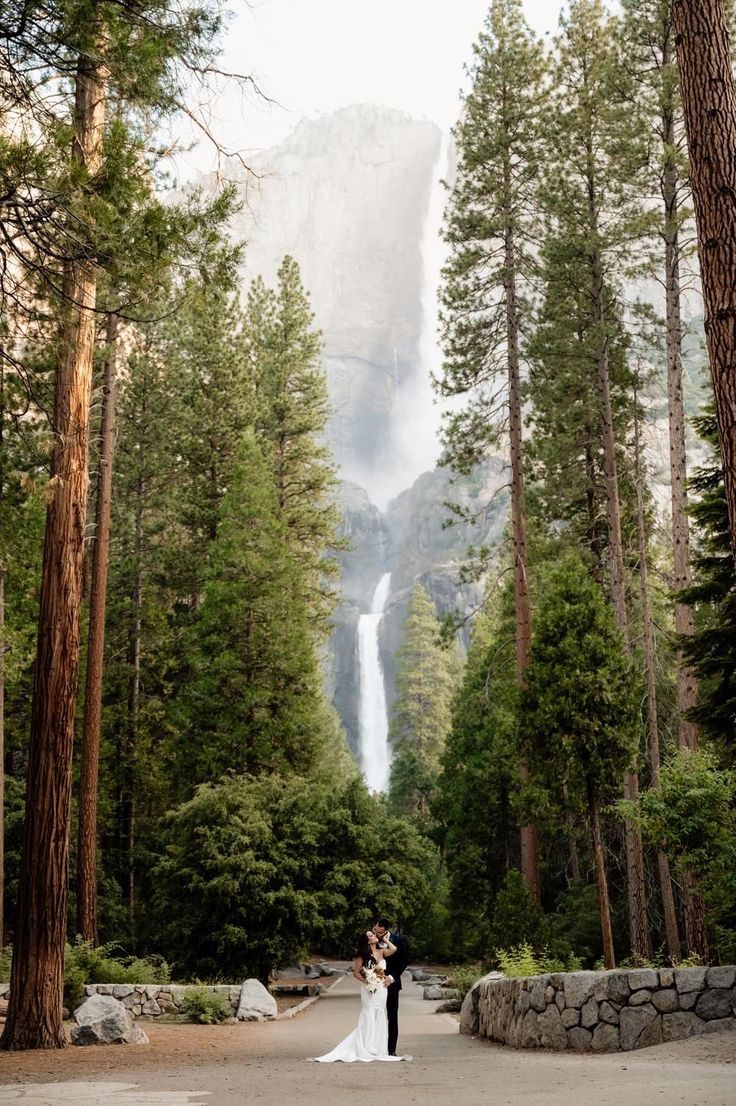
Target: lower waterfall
[(375, 757)]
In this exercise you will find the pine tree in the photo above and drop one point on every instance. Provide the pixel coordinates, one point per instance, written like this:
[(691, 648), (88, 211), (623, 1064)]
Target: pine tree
[(708, 92), (596, 219), (490, 229), (425, 682), (478, 826), (648, 60), (253, 698), (579, 710), (291, 412)]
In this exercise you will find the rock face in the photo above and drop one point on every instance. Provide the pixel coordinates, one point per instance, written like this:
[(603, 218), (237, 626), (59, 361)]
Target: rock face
[(256, 1004), (347, 195), (103, 1020), (602, 1011)]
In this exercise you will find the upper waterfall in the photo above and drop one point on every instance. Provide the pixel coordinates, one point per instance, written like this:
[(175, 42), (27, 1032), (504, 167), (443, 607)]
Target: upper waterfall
[(375, 755)]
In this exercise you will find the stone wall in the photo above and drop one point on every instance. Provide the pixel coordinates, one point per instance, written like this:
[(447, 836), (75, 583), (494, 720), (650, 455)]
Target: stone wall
[(153, 1000), (602, 1011)]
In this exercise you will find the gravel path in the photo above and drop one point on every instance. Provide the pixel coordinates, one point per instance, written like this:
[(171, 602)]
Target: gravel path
[(267, 1063)]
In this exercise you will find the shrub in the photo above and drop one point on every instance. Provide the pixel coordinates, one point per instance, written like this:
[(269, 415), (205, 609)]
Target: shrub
[(516, 918), (523, 960), (83, 963), (204, 1007), (462, 978)]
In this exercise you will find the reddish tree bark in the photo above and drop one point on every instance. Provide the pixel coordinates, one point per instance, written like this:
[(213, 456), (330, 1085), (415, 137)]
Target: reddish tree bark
[(709, 105), (90, 762), (37, 976)]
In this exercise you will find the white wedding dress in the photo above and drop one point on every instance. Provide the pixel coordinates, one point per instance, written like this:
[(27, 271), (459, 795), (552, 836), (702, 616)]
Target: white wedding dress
[(369, 1039)]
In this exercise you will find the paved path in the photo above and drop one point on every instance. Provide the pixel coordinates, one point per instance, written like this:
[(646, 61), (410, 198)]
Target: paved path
[(266, 1064)]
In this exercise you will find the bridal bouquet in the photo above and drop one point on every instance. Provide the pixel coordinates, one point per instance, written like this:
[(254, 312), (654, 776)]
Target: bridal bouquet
[(374, 978)]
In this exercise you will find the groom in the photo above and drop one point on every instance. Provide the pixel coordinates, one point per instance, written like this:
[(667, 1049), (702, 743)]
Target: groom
[(397, 964)]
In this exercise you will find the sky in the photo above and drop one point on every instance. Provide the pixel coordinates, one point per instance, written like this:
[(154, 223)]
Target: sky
[(315, 56)]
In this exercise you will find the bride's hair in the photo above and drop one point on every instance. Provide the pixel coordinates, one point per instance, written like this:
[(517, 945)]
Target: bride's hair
[(364, 949)]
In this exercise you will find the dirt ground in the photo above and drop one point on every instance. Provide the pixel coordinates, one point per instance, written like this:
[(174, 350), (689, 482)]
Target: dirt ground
[(267, 1063)]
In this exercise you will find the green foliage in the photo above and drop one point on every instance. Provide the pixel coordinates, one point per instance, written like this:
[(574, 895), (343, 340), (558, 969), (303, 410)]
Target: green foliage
[(204, 1007), (83, 963), (580, 707), (463, 977), (516, 918), (253, 870), (425, 683), (575, 923), (473, 808), (489, 225), (712, 647)]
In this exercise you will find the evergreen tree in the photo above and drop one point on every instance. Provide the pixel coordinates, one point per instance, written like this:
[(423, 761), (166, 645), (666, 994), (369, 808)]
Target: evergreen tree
[(579, 711), (712, 646), (425, 682), (292, 409), (490, 228), (478, 826), (253, 697)]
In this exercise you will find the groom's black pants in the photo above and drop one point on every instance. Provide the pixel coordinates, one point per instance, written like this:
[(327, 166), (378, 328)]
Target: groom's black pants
[(392, 1010)]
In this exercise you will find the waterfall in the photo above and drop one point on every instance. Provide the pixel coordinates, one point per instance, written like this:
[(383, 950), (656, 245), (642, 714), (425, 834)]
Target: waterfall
[(375, 758)]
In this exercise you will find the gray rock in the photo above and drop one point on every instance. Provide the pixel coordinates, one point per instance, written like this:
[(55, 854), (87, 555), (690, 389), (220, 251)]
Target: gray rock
[(469, 1020), (606, 1038), (643, 977), (589, 1014), (433, 992), (667, 977), (103, 1020), (634, 1021), (419, 975), (529, 1031), (255, 1003), (549, 994), (560, 1000), (579, 986), (719, 1025), (151, 1008), (609, 1013), (652, 1034), (713, 1004), (689, 979), (613, 986), (536, 998), (640, 997), (721, 977), (665, 1001), (523, 1003), (580, 1039), (551, 1030), (688, 1000), (570, 1018), (677, 1026), (137, 1035)]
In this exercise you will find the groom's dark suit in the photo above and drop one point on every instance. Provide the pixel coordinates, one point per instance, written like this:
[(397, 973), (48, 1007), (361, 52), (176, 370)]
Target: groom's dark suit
[(396, 966)]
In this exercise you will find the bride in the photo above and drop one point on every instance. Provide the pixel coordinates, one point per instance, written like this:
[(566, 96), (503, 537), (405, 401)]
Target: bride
[(369, 1040)]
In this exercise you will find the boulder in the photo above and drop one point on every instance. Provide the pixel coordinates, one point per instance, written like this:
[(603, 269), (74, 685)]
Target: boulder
[(434, 992), (255, 1003), (609, 1013), (720, 977), (719, 1025), (640, 997), (103, 1020), (469, 1012), (634, 1020), (589, 1014), (643, 977), (579, 986), (681, 1024), (605, 1038), (570, 1018), (665, 1001), (713, 1004), (689, 979), (551, 1030), (580, 1039), (613, 986)]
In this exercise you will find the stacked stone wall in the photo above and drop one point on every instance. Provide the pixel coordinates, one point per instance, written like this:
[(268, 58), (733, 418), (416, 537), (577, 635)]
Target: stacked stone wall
[(153, 1000), (602, 1011)]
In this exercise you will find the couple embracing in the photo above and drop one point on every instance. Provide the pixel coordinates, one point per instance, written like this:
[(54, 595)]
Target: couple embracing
[(382, 957)]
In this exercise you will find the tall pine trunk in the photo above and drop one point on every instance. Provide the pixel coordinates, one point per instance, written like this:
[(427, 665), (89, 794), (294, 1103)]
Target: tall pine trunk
[(687, 691), (639, 933), (709, 105), (89, 772), (37, 976), (522, 603), (672, 935), (601, 879), (134, 706), (2, 654)]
